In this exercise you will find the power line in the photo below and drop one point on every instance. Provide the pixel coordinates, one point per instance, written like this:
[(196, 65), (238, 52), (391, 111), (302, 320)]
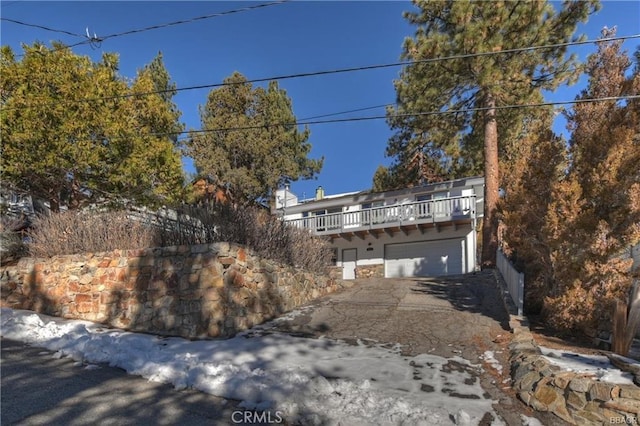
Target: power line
[(411, 114), (309, 121), (346, 112), (94, 40), (198, 18), (345, 70), (9, 3), (42, 27)]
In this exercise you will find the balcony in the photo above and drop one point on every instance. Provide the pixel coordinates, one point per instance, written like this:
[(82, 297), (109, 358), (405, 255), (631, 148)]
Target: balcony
[(403, 217)]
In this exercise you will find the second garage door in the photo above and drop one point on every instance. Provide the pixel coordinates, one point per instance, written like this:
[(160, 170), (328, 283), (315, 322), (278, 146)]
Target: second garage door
[(424, 259)]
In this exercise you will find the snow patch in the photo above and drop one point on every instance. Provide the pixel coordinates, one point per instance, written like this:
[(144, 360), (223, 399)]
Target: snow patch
[(489, 358), (597, 365), (530, 421), (316, 380)]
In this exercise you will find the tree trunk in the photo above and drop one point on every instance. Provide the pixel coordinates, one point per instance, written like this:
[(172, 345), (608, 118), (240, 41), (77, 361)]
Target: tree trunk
[(54, 205), (618, 344), (633, 316), (491, 186)]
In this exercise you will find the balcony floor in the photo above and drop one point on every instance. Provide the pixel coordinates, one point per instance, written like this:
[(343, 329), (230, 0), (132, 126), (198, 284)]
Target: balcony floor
[(393, 228)]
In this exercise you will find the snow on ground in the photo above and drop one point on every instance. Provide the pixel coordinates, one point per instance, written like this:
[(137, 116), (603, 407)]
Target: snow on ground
[(314, 380), (597, 365), (490, 358), (530, 421)]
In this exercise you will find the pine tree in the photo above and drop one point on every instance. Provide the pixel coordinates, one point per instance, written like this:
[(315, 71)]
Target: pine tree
[(595, 212), (381, 179), (250, 140), (152, 169), (531, 169), (72, 134), (166, 91), (454, 28)]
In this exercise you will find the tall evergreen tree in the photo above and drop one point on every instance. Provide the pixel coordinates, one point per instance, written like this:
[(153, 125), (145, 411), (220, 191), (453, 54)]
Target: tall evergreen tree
[(250, 140), (462, 27), (595, 210), (152, 170), (382, 179), (169, 124), (530, 172), (71, 134)]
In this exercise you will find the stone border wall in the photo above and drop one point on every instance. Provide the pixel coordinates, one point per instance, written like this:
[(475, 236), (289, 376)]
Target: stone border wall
[(190, 291), (370, 271), (578, 399)]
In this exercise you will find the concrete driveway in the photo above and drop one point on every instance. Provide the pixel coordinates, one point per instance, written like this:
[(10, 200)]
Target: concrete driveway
[(446, 316), (449, 316)]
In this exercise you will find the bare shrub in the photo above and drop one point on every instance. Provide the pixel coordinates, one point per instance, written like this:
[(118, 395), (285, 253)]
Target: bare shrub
[(11, 245), (89, 231), (97, 231), (311, 251), (266, 235)]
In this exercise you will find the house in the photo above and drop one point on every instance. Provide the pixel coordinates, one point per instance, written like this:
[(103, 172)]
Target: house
[(427, 230), (16, 204)]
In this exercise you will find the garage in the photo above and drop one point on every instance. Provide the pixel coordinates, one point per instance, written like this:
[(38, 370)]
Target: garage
[(424, 258)]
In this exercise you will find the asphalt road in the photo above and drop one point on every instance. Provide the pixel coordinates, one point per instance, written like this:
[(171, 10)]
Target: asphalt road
[(38, 389)]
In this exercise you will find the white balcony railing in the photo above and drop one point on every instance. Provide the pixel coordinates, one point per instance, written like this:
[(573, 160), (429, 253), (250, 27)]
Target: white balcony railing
[(513, 278), (446, 209)]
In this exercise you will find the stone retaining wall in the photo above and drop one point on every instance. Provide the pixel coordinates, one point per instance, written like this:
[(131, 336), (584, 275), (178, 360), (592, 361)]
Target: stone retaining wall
[(191, 291), (578, 399), (370, 271)]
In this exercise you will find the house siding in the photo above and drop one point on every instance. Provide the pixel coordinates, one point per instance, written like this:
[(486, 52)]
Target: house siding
[(370, 251), (369, 222)]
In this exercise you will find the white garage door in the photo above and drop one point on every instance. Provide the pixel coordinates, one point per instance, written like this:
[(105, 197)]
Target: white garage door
[(424, 259)]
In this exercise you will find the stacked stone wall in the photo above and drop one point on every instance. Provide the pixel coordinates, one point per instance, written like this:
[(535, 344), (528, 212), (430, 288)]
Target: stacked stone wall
[(191, 291), (577, 398), (370, 271)]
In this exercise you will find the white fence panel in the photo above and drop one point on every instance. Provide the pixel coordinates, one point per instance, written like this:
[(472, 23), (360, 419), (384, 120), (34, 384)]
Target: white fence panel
[(513, 278)]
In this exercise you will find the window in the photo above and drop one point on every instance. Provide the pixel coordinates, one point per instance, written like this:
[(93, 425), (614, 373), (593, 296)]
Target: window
[(424, 209), (372, 204), (441, 205), (440, 195), (372, 216)]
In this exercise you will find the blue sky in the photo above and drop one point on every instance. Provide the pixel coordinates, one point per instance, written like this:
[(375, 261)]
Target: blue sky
[(295, 37)]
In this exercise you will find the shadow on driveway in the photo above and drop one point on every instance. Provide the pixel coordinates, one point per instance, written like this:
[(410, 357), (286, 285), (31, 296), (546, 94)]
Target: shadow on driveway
[(475, 293)]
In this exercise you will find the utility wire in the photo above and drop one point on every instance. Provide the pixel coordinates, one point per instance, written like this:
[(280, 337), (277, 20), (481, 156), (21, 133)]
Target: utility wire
[(42, 27), (345, 70), (346, 112), (198, 18), (187, 133), (9, 3), (97, 40), (410, 114)]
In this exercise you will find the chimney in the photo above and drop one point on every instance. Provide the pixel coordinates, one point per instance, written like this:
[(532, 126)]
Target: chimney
[(319, 193)]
